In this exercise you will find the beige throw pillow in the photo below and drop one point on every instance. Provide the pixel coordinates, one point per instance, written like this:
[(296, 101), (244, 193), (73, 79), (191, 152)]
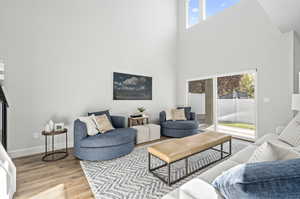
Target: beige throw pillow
[(271, 152), (103, 123), (178, 114), (90, 125), (291, 133)]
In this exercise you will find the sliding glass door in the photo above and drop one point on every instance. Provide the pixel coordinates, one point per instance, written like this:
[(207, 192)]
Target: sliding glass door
[(200, 98), (236, 105), (225, 103)]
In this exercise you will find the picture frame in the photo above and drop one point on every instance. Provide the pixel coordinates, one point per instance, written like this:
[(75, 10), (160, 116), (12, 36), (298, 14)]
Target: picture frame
[(59, 126), (131, 87)]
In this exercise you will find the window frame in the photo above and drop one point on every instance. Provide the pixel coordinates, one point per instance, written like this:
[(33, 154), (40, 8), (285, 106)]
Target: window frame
[(202, 9), (187, 13)]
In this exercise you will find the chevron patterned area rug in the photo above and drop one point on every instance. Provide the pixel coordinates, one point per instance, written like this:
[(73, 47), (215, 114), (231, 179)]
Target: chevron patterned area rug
[(128, 177)]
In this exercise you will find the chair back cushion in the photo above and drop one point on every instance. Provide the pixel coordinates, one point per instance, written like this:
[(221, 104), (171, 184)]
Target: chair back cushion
[(274, 180), (178, 114), (271, 152), (103, 124), (90, 125), (106, 112), (169, 115), (187, 111)]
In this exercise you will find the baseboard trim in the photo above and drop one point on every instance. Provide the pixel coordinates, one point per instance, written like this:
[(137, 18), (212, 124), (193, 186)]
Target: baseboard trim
[(35, 150)]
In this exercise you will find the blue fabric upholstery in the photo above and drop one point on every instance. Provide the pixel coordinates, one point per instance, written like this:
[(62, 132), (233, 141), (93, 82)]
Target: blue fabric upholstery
[(183, 125), (110, 145), (111, 138), (118, 121), (192, 116), (106, 153), (264, 180), (162, 117), (178, 129), (106, 112)]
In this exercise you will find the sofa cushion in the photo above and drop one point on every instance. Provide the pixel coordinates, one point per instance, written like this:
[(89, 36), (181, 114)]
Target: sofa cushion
[(168, 113), (291, 133), (106, 112), (184, 125), (91, 126), (178, 114), (103, 124), (244, 155), (172, 195), (196, 187), (110, 138), (271, 152), (187, 111), (211, 174), (274, 138), (276, 180)]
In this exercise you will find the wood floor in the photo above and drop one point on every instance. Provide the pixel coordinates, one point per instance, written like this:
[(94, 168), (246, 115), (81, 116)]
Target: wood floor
[(35, 176)]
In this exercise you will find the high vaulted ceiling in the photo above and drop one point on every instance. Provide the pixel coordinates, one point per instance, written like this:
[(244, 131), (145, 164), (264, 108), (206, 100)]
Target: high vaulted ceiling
[(284, 13)]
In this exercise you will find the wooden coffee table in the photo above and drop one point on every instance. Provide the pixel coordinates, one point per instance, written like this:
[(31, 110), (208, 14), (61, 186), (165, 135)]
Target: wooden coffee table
[(174, 150)]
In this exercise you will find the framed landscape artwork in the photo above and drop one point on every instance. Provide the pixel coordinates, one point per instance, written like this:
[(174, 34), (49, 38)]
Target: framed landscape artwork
[(131, 87)]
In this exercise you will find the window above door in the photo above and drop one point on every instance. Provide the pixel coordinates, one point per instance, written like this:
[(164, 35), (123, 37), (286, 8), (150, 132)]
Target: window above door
[(200, 10)]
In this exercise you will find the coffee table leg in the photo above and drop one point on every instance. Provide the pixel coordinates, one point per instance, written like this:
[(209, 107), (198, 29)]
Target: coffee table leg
[(186, 166), (53, 147), (46, 147), (149, 161), (230, 147), (222, 151), (169, 174)]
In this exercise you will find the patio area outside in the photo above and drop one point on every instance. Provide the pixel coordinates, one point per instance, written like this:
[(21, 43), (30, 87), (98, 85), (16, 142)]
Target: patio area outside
[(235, 104)]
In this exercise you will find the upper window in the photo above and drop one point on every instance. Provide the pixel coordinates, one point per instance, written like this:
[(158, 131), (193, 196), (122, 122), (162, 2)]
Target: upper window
[(193, 10), (207, 7), (215, 6)]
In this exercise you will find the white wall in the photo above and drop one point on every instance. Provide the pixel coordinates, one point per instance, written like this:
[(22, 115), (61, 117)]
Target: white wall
[(60, 56), (240, 38)]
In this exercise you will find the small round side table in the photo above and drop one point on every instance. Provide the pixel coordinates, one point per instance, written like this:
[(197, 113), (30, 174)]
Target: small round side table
[(54, 155)]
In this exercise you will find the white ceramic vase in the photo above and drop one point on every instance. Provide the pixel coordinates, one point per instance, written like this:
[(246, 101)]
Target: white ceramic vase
[(51, 125)]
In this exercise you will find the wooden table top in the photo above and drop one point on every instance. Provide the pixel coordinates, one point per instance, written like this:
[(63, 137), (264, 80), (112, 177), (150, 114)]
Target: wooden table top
[(55, 132), (176, 149), (138, 118)]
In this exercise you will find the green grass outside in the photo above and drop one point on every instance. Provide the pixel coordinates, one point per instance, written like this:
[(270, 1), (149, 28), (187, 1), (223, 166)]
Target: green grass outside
[(239, 125)]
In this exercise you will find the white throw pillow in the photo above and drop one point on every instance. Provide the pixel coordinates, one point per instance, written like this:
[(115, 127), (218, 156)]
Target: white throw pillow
[(291, 133), (90, 125), (168, 114), (268, 151)]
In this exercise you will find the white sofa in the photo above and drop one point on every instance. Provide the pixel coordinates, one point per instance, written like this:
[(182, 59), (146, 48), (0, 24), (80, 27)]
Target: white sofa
[(7, 175), (200, 187)]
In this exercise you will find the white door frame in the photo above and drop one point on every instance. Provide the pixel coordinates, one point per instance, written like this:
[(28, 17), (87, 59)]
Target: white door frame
[(215, 93)]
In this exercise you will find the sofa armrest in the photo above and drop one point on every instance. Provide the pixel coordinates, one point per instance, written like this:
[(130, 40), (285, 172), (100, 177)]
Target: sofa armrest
[(118, 121), (162, 117), (80, 131), (198, 189), (192, 116), (279, 129)]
